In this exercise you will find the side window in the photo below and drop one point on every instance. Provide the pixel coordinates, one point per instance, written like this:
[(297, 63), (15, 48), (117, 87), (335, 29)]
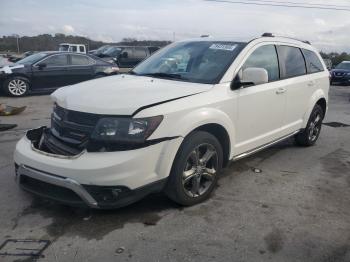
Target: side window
[(140, 53), (313, 63), (81, 49), (80, 60), (292, 61), (56, 60), (73, 48), (264, 57)]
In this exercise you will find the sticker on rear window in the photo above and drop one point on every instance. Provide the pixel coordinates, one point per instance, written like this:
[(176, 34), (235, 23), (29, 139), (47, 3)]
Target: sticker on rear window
[(223, 47)]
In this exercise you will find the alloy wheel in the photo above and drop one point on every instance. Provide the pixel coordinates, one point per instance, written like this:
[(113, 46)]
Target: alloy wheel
[(200, 170), (315, 127), (17, 87)]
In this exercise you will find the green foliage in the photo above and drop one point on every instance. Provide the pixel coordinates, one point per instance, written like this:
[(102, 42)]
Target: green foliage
[(336, 58)]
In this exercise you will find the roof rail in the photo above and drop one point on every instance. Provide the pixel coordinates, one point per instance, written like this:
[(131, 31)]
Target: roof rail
[(272, 35), (205, 36)]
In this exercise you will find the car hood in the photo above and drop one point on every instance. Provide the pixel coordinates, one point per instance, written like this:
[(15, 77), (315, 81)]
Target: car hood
[(123, 94)]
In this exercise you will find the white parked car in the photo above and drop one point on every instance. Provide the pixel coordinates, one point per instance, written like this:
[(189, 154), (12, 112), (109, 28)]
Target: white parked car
[(75, 48), (174, 122)]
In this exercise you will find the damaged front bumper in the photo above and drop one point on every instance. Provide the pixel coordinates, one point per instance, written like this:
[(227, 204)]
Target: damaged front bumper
[(93, 179)]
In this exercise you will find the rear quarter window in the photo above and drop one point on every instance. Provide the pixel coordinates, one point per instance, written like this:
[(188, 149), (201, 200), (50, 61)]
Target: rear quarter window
[(313, 63), (292, 61)]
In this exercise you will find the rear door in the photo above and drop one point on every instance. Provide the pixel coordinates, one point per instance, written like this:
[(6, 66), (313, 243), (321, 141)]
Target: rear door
[(261, 108), (297, 85), (50, 72), (80, 68)]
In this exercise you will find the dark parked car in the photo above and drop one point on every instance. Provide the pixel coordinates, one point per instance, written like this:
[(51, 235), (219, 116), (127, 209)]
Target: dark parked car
[(341, 74), (50, 70), (127, 56), (99, 50)]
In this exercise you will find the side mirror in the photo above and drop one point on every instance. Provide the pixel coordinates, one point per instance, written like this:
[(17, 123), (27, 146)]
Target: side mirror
[(251, 76), (41, 65)]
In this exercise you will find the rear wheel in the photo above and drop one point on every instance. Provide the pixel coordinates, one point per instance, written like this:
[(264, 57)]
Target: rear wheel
[(195, 170), (312, 131), (16, 86)]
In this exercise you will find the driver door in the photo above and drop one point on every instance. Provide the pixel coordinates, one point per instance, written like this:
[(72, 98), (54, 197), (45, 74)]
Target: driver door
[(261, 108), (52, 73)]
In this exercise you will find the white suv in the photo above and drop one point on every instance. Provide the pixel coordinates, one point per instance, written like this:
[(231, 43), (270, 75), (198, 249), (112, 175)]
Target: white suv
[(174, 122)]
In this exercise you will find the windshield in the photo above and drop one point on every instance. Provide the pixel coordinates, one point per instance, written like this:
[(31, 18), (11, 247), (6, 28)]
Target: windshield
[(31, 59), (199, 62), (63, 48), (102, 49), (112, 51), (343, 65)]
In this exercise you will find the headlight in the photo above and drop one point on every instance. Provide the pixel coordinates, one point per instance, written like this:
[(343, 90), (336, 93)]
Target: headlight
[(125, 130), (110, 70)]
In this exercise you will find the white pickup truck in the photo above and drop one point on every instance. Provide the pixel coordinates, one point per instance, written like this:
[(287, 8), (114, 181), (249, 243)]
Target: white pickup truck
[(75, 48)]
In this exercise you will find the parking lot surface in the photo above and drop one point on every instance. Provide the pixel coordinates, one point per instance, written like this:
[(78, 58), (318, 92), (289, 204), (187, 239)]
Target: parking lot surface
[(285, 203)]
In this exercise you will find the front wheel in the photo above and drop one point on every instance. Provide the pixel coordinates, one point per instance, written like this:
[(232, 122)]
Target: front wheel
[(310, 134), (195, 170), (16, 86)]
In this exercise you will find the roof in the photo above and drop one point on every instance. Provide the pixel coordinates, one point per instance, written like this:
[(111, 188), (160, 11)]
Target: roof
[(266, 37), (69, 44)]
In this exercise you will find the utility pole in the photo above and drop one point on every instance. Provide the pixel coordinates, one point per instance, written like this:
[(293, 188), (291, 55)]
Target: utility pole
[(174, 36), (17, 38), (18, 44)]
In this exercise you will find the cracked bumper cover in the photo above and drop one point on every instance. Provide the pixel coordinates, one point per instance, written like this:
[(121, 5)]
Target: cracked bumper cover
[(99, 180)]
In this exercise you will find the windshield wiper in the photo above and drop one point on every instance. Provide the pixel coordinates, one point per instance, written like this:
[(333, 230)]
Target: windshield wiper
[(164, 75)]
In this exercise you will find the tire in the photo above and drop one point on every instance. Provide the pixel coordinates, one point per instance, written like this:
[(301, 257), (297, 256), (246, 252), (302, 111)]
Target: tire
[(310, 134), (192, 179), (16, 86)]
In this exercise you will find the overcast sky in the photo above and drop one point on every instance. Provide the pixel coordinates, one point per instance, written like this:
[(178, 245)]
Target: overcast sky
[(112, 20)]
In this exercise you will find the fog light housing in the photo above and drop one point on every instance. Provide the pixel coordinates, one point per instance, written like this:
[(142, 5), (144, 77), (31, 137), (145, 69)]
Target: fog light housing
[(107, 195)]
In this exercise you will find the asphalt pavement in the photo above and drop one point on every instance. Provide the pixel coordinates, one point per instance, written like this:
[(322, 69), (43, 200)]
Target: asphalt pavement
[(286, 203)]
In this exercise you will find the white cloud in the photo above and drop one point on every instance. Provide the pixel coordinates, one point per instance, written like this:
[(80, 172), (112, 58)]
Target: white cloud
[(68, 29), (320, 22), (112, 20)]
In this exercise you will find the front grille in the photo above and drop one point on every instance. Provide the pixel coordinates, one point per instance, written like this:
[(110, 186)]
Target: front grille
[(80, 118), (70, 131), (51, 191), (337, 74)]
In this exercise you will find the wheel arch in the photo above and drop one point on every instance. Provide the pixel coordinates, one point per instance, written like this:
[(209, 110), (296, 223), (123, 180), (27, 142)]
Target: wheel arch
[(319, 98), (213, 121), (323, 104), (221, 135)]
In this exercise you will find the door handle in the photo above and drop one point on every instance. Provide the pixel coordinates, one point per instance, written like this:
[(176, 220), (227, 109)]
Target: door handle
[(281, 91)]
